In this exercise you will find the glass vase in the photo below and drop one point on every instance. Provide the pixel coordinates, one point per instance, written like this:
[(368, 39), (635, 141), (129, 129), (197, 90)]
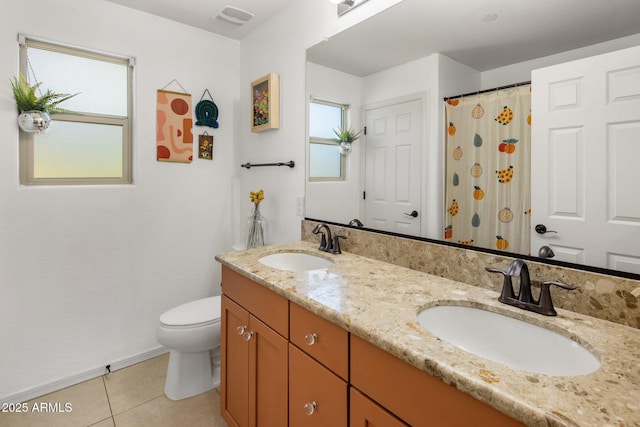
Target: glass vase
[(255, 229)]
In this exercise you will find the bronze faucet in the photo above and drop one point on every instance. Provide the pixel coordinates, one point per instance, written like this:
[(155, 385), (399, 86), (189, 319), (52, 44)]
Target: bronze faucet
[(525, 300), (328, 244)]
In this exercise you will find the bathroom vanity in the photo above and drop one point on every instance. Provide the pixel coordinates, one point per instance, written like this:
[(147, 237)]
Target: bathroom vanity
[(342, 346)]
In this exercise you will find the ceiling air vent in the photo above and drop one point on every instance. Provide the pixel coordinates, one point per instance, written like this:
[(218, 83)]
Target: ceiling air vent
[(234, 15)]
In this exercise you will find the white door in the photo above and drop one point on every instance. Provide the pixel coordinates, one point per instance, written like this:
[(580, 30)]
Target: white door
[(392, 167), (585, 150)]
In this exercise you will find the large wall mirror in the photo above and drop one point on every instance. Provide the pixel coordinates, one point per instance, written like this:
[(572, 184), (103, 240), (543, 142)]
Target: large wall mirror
[(408, 58)]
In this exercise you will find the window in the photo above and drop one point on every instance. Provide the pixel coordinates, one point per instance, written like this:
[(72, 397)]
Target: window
[(325, 161), (92, 145)]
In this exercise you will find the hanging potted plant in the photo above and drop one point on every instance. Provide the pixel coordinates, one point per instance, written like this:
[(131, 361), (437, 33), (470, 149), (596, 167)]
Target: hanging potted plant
[(35, 110), (346, 138)]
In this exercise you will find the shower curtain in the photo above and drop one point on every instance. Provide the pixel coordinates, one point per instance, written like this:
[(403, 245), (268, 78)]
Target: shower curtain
[(488, 178)]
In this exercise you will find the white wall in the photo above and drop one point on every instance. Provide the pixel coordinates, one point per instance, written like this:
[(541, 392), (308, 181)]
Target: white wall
[(86, 271), (279, 47)]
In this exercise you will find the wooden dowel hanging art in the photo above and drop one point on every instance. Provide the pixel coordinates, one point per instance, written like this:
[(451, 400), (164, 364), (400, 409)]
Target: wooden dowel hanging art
[(174, 140)]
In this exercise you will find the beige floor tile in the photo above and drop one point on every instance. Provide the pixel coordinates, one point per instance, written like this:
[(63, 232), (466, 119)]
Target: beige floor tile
[(201, 410), (136, 384), (88, 405), (104, 423)]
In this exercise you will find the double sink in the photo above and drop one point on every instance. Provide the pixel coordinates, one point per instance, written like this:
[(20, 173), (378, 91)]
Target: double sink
[(494, 336)]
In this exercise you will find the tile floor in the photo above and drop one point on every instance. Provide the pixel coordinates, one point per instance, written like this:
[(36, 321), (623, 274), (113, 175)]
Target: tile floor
[(130, 397)]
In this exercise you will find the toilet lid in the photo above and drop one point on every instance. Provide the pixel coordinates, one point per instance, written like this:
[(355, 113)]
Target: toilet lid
[(192, 313)]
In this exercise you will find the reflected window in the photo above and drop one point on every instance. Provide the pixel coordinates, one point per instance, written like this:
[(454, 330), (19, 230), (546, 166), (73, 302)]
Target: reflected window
[(92, 145), (325, 161)]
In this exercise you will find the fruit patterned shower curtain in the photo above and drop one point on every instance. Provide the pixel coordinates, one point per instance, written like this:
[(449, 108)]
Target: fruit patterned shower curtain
[(488, 179)]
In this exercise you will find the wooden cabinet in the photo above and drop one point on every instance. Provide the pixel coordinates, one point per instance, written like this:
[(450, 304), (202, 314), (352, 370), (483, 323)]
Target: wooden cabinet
[(283, 365), (415, 396), (318, 371), (317, 396), (234, 377), (321, 339), (364, 412), (254, 356)]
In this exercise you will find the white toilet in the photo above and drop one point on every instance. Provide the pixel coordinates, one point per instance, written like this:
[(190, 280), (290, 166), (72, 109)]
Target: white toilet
[(191, 331)]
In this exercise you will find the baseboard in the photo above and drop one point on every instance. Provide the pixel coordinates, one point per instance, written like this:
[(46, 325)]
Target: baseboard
[(41, 390)]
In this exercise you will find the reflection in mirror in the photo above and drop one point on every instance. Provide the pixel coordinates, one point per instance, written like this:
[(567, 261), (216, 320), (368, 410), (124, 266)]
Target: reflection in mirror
[(325, 160), (400, 59)]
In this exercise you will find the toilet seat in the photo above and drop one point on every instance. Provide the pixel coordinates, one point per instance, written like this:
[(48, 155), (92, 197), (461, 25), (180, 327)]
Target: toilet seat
[(197, 313)]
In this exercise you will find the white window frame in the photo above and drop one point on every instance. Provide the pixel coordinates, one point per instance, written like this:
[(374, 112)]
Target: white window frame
[(27, 140), (315, 140)]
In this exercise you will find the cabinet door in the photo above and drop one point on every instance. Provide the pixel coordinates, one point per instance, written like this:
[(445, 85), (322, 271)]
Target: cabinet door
[(366, 413), (415, 396), (268, 376), (234, 358), (317, 397)]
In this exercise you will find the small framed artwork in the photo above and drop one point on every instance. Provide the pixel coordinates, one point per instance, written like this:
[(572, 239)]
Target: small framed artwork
[(265, 96)]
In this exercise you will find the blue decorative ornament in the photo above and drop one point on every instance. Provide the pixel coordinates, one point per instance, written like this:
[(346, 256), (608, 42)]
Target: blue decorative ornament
[(207, 114)]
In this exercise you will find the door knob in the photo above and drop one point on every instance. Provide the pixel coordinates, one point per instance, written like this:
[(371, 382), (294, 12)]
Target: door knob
[(413, 214), (541, 229)]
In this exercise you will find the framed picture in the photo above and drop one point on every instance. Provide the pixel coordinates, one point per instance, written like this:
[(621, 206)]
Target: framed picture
[(265, 96)]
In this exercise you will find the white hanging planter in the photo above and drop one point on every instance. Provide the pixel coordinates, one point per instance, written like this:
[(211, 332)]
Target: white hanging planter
[(34, 121), (345, 139), (345, 148)]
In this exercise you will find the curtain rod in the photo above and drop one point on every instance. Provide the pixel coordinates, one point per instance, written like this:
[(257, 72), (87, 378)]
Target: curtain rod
[(487, 90)]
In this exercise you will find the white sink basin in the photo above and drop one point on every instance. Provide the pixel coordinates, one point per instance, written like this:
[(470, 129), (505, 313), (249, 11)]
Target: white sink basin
[(295, 261), (511, 342)]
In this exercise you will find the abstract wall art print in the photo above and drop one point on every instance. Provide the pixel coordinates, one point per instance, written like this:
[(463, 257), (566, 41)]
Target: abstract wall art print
[(174, 140)]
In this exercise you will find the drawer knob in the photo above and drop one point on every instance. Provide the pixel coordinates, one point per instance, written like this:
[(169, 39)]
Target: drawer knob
[(247, 335), (310, 407), (310, 339), (241, 329)]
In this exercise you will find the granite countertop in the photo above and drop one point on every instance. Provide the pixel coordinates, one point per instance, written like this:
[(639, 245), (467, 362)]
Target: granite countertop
[(379, 302)]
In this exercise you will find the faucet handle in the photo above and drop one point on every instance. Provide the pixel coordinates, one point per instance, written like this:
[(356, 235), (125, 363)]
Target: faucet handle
[(560, 285), (323, 237), (545, 302), (507, 286), (336, 244)]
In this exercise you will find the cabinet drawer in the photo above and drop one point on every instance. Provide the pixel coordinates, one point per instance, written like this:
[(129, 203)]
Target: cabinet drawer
[(264, 304), (321, 339), (415, 396), (364, 412), (312, 386)]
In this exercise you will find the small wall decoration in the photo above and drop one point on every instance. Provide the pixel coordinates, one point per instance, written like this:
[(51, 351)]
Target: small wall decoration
[(205, 146), (207, 112), (265, 95), (174, 140)]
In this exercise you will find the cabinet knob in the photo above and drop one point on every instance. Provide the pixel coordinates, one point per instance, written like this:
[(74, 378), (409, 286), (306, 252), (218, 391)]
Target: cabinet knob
[(310, 339), (241, 330), (247, 336), (310, 407)]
